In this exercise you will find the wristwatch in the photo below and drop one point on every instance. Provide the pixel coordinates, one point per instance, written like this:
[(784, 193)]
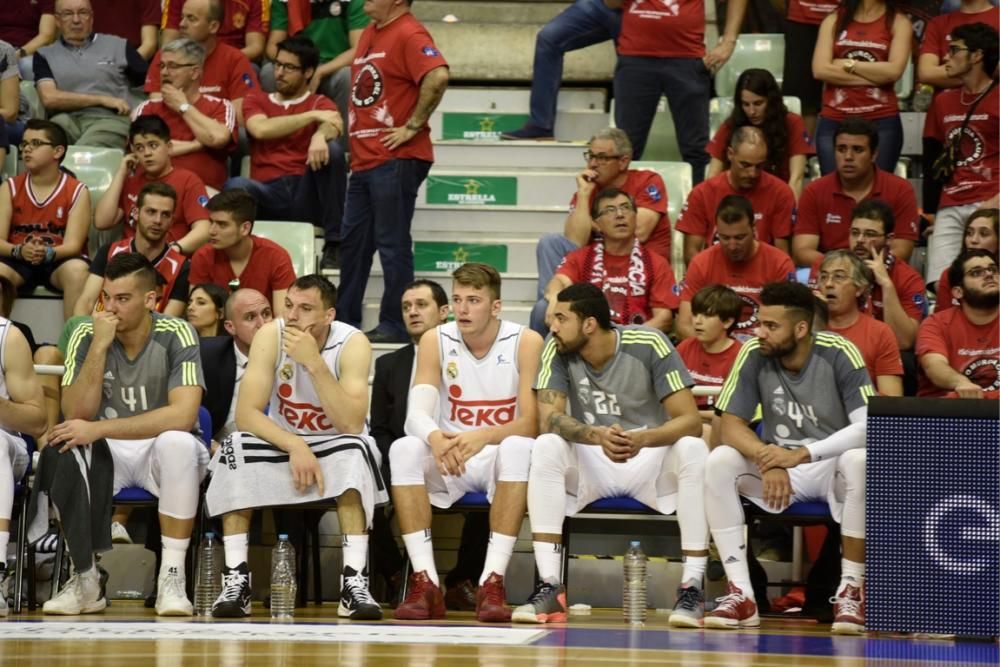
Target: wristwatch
[(183, 108), (849, 65)]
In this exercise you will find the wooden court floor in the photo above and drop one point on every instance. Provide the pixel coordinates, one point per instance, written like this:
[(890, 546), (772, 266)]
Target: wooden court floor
[(128, 634)]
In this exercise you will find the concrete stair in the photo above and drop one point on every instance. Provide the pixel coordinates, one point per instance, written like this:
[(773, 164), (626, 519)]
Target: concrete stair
[(511, 154)]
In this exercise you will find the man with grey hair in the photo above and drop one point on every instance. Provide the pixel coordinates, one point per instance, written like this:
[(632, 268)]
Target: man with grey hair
[(202, 127), (607, 161), (83, 78)]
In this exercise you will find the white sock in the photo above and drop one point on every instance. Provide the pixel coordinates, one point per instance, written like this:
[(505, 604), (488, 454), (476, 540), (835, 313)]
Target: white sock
[(498, 554), (421, 552), (174, 551), (694, 568), (548, 559), (733, 551), (4, 541), (237, 549), (851, 572), (355, 552)]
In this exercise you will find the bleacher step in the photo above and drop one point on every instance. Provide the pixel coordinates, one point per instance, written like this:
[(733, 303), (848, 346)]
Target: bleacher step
[(517, 100), (515, 154), (506, 220), (477, 124), (504, 186)]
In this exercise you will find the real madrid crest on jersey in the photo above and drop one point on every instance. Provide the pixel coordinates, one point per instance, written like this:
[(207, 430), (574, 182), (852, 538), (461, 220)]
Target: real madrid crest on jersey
[(286, 372), (452, 370)]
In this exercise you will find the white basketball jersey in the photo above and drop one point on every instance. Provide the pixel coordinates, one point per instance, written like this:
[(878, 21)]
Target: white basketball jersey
[(476, 393), (295, 405)]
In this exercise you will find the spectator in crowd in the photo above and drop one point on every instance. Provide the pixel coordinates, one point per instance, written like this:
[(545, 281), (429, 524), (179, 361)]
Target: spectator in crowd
[(130, 396), (582, 24), (638, 284), (391, 101), (633, 425), (966, 119), (10, 98), (206, 310), (861, 51), (897, 296), (148, 161), (28, 25), (470, 426), (661, 51), (84, 78), (225, 357), (843, 283), (234, 257), (957, 347), (137, 21), (980, 234), (826, 203), (757, 101), (224, 71), (801, 33), (607, 158), (788, 373), (244, 24), (44, 218), (303, 401), (937, 39), (711, 351), (297, 168), (739, 261), (156, 203), (772, 200), (335, 35), (202, 127)]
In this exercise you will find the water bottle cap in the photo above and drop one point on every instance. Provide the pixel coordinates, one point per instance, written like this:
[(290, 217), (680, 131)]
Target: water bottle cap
[(634, 543), (283, 537), (209, 535)]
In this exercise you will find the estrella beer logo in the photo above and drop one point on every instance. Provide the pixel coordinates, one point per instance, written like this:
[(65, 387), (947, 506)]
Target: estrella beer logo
[(301, 416), (477, 414)]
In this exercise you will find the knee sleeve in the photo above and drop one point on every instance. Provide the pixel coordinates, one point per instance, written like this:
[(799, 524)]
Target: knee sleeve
[(851, 469), (722, 499), (689, 456), (406, 461), (177, 470), (550, 459), (514, 459), (550, 453)]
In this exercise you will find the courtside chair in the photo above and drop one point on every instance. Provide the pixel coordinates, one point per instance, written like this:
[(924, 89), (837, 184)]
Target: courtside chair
[(677, 177), (765, 51), (22, 494), (298, 238)]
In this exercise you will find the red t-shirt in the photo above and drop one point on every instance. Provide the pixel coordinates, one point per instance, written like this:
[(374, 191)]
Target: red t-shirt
[(44, 219), (866, 42), (126, 19), (661, 292), (811, 12), (240, 17), (972, 350), (191, 201), (711, 267), (772, 201), (269, 268), (227, 74), (171, 265), (799, 143), (937, 35), (706, 368), (910, 288), (285, 156), (977, 176), (662, 29), (209, 164), (944, 298), (388, 67), (825, 210), (647, 189), (877, 344)]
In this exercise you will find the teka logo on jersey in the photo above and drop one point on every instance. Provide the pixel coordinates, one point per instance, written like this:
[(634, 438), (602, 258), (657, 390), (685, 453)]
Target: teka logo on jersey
[(480, 413), (301, 416)]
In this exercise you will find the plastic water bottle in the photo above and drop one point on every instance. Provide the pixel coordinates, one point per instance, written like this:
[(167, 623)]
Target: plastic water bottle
[(208, 584), (634, 588), (283, 586)]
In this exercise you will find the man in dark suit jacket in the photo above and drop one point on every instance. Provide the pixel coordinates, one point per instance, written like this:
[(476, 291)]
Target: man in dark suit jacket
[(425, 306)]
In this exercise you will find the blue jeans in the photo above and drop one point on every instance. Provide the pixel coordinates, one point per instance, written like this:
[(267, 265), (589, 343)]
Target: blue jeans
[(580, 25), (549, 254), (379, 212), (315, 196), (890, 143), (639, 83)]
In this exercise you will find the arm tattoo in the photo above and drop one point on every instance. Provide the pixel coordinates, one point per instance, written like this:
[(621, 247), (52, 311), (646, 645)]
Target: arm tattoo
[(548, 396), (571, 429)]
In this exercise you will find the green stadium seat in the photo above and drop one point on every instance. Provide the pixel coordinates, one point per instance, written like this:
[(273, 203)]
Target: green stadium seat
[(9, 167), (95, 166), (766, 51), (28, 92), (297, 238), (904, 85), (720, 108), (677, 176)]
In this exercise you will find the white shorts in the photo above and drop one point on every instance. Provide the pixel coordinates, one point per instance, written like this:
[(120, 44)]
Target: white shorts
[(650, 477), (817, 481), (480, 477), (17, 453), (135, 464)]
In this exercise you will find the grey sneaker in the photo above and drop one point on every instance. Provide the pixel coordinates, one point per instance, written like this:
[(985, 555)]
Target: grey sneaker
[(546, 605), (690, 607)]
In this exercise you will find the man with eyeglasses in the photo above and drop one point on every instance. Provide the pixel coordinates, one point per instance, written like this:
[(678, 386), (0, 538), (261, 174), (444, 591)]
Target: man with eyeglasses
[(958, 347), (607, 160), (936, 44), (297, 169), (84, 78), (638, 283), (202, 127), (825, 206)]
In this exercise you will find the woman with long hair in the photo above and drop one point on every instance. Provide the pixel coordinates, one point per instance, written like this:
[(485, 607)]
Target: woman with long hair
[(980, 233), (206, 309), (758, 102), (861, 52)]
